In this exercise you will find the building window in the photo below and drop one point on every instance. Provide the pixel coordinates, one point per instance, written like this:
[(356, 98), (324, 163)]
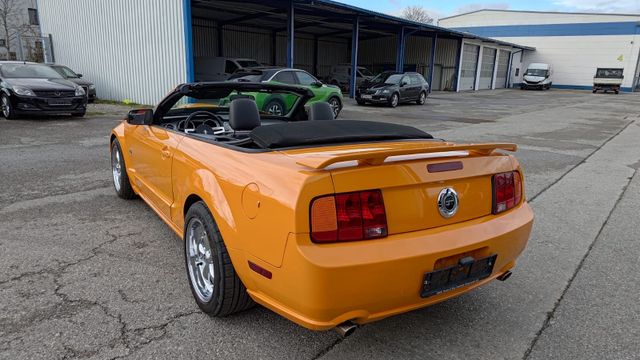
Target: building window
[(33, 17), (3, 42)]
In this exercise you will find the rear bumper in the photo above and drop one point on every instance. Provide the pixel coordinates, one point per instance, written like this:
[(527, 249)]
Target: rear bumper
[(321, 286)]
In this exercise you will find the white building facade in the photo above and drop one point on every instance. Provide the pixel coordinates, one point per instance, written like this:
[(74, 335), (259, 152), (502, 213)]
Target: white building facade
[(575, 44)]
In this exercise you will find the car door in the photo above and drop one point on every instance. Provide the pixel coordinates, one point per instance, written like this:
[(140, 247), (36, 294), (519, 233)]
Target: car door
[(405, 87), (415, 85), (309, 81), (287, 77), (151, 150)]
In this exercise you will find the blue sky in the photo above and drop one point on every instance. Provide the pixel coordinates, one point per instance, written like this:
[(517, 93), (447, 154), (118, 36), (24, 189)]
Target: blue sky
[(450, 7)]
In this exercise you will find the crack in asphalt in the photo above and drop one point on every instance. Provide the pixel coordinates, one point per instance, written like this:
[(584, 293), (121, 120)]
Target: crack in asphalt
[(581, 162), (131, 339), (551, 314)]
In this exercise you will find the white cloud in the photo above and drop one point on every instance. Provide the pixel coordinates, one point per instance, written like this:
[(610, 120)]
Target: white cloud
[(606, 6)]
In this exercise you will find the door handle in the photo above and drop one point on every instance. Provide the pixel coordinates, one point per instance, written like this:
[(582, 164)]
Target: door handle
[(165, 152)]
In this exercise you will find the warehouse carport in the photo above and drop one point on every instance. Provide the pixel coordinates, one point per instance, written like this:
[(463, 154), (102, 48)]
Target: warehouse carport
[(314, 35)]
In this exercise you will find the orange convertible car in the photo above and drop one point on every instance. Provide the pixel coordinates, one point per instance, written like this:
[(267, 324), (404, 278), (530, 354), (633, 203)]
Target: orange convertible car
[(329, 223)]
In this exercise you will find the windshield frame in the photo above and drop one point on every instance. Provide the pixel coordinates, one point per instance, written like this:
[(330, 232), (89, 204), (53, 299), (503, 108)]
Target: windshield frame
[(619, 73), (4, 74), (195, 90), (64, 71), (537, 72)]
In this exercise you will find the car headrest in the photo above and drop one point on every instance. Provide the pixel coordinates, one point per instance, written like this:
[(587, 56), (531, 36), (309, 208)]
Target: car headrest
[(243, 114), (320, 111)]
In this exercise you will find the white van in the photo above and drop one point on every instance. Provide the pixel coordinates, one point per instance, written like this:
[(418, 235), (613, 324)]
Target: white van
[(537, 76), (220, 68)]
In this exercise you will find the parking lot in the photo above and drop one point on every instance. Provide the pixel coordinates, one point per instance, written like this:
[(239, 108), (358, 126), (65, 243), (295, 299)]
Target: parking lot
[(85, 274)]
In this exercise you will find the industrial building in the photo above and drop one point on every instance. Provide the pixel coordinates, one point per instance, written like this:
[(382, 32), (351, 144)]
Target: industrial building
[(140, 50), (574, 44)]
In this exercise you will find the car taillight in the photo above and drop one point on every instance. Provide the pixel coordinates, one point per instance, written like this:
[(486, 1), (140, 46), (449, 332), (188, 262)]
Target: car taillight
[(507, 191), (348, 217)]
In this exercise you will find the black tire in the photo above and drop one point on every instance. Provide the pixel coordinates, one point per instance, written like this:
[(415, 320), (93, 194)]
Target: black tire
[(7, 109), (422, 98), (228, 293), (594, 91), (79, 114), (336, 106), (617, 91), (275, 107), (394, 100), (361, 102), (121, 182)]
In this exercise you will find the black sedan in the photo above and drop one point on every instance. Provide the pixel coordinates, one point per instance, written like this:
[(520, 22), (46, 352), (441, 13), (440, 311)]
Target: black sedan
[(71, 75), (36, 89), (392, 88)]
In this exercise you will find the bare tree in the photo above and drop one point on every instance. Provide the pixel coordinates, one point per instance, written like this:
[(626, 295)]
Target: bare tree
[(10, 25), (414, 13)]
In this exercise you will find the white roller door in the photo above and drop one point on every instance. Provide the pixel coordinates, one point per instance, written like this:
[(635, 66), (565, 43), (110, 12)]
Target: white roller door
[(487, 67), (469, 66), (503, 68)]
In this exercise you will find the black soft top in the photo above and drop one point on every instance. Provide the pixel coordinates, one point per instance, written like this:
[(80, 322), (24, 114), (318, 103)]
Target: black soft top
[(311, 133)]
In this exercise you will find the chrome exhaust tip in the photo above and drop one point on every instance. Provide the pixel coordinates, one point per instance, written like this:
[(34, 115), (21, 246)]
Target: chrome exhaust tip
[(505, 276), (346, 328)]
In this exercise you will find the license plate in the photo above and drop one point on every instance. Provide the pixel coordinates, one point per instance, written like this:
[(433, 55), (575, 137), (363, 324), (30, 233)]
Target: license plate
[(367, 97), (59, 102), (467, 271)]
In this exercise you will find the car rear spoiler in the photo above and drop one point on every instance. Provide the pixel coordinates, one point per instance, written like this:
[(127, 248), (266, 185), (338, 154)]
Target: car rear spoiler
[(376, 157)]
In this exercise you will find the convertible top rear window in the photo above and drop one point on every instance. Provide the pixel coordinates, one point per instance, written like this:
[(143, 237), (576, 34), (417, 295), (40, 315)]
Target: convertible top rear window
[(309, 133)]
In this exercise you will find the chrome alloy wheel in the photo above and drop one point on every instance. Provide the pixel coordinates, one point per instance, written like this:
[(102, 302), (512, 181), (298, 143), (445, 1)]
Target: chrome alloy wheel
[(6, 106), (116, 166), (394, 100), (423, 98), (199, 260), (275, 109), (335, 106)]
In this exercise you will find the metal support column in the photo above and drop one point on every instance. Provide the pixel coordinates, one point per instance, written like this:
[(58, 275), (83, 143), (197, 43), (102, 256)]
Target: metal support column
[(400, 51), (434, 42), (508, 80), (53, 55), (355, 34), (495, 69), (220, 31), (459, 65), (316, 43), (291, 36), (476, 83), (274, 48), (188, 41)]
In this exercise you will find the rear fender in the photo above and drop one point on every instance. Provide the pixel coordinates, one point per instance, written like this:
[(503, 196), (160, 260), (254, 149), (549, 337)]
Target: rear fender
[(204, 184)]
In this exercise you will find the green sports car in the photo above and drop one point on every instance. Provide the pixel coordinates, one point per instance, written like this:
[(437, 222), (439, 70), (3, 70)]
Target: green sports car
[(281, 104)]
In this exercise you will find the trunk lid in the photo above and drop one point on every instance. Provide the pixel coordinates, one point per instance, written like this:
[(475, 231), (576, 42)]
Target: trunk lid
[(411, 176)]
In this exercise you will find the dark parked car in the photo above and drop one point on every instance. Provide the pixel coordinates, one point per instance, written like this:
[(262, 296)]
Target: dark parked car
[(30, 88), (393, 88), (71, 75)]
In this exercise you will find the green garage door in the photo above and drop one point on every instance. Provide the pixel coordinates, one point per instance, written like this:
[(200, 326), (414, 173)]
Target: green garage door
[(486, 68), (469, 66), (503, 68)]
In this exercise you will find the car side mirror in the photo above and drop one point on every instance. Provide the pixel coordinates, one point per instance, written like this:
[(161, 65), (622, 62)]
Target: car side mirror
[(79, 75), (404, 83), (317, 84), (140, 117)]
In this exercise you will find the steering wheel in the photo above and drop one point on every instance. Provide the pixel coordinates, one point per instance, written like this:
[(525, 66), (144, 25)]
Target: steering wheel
[(189, 123)]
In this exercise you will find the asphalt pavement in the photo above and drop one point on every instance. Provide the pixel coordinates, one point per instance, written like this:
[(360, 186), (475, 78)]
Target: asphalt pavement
[(84, 274)]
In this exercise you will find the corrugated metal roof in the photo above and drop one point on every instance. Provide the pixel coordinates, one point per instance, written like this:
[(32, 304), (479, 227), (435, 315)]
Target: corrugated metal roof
[(322, 18)]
